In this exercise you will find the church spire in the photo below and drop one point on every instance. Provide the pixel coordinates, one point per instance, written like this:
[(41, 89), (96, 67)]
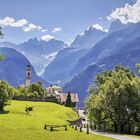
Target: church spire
[(28, 75)]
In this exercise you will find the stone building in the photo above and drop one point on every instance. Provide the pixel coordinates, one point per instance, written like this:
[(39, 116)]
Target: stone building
[(55, 94)]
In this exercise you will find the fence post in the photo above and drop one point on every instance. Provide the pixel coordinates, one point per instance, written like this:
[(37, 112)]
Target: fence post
[(87, 129), (51, 128), (66, 128), (81, 128), (45, 126)]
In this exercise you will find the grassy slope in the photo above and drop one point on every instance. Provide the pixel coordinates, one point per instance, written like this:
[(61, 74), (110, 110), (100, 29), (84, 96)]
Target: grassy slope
[(18, 125)]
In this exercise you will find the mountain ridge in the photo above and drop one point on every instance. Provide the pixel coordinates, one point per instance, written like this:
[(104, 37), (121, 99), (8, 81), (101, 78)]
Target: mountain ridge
[(59, 69), (128, 56), (107, 46), (37, 50)]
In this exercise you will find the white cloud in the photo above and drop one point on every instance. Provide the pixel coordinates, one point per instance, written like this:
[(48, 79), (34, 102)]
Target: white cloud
[(44, 30), (99, 27), (47, 37), (22, 23), (32, 27), (7, 21), (127, 14), (57, 30)]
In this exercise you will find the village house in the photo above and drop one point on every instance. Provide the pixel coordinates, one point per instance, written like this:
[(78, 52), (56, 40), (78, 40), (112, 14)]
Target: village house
[(55, 94)]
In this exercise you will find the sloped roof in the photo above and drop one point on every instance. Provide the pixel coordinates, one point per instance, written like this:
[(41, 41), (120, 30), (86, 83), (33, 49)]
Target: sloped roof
[(74, 97)]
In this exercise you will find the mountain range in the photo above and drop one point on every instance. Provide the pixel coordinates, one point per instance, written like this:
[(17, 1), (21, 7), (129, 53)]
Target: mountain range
[(119, 47), (75, 66), (58, 71), (39, 52), (108, 46)]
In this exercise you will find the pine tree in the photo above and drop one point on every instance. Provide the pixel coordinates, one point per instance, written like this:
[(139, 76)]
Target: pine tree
[(68, 101)]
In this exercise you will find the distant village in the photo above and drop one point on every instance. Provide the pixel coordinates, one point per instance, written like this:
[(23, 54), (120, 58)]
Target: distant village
[(53, 93)]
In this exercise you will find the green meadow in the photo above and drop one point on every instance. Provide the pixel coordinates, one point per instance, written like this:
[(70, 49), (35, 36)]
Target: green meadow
[(16, 124)]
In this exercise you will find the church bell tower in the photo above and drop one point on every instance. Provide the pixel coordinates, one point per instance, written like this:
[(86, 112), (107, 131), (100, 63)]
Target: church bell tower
[(28, 75)]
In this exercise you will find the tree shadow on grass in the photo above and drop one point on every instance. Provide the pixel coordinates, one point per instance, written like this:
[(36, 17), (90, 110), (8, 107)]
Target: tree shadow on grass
[(4, 112)]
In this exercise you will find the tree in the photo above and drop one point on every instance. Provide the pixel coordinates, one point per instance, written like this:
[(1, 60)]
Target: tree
[(6, 94), (68, 101), (37, 89), (6, 91), (21, 92), (35, 93), (114, 100)]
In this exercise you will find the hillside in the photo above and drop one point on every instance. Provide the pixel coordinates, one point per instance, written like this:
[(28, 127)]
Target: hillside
[(13, 67), (128, 55), (15, 123), (58, 70)]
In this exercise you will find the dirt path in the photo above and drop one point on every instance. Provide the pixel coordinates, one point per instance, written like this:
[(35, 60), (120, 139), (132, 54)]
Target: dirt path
[(118, 137)]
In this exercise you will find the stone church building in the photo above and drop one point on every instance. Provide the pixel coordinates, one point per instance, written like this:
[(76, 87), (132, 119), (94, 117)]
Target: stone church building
[(54, 93)]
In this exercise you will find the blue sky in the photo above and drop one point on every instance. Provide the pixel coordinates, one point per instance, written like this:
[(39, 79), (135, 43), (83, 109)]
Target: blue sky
[(63, 19)]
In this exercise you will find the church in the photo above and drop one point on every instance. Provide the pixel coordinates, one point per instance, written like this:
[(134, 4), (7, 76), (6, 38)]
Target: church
[(53, 93)]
